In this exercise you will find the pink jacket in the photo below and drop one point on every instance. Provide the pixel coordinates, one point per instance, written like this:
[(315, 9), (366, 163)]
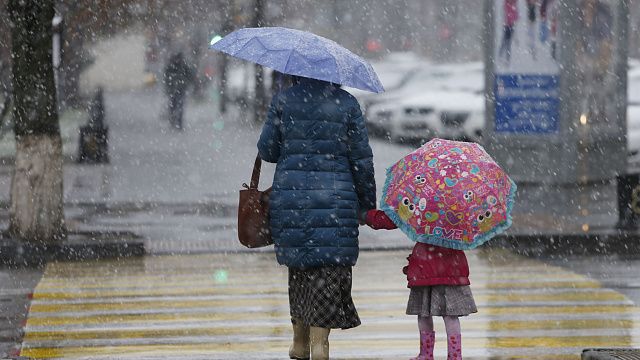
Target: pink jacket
[(428, 264)]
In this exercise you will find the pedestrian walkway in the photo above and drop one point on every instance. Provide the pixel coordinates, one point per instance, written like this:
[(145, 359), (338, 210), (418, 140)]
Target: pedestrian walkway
[(178, 190), (234, 306)]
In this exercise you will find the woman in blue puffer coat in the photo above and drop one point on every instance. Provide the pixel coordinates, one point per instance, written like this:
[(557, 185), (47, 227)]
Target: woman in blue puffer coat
[(324, 179)]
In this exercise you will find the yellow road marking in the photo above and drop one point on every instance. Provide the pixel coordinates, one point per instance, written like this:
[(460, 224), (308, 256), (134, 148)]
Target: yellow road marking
[(560, 324), (208, 277), (273, 302), (606, 309), (82, 334), (342, 343), (560, 341), (268, 315), (392, 296), (214, 290), (134, 318), (544, 284)]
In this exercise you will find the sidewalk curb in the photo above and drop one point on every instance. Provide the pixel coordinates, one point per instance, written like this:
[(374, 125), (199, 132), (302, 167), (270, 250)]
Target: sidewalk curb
[(611, 354), (77, 246), (67, 159), (608, 242)]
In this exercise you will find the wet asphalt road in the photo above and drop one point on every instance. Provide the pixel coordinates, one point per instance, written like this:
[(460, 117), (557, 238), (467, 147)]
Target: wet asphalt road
[(16, 287), (178, 191)]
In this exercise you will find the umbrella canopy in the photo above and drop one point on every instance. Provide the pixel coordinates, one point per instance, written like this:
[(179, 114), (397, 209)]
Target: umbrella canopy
[(450, 194), (300, 53)]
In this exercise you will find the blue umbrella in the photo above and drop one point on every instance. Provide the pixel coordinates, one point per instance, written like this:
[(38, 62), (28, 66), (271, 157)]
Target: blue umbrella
[(300, 53)]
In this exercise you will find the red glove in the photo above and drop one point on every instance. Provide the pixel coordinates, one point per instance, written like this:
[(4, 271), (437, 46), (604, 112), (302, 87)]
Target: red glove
[(377, 219)]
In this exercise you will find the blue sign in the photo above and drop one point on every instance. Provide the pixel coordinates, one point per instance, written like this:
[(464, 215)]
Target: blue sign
[(527, 104)]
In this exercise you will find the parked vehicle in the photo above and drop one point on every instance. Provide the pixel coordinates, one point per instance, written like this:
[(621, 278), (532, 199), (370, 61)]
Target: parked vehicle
[(393, 70), (455, 115), (464, 77), (241, 81), (439, 92), (633, 118)]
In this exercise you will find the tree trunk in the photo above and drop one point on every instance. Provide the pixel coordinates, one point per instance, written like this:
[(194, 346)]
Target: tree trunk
[(36, 213), (36, 190)]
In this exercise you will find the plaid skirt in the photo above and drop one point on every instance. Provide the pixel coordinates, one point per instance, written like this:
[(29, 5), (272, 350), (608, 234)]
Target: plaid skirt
[(441, 300), (321, 297)]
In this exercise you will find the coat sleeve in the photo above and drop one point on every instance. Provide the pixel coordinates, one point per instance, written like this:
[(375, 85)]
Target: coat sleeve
[(271, 137), (377, 220), (361, 160)]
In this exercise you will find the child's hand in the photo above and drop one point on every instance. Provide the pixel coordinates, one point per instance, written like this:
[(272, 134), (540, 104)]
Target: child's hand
[(377, 219), (362, 218)]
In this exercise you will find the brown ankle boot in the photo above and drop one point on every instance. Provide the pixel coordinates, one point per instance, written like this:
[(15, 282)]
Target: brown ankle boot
[(299, 350), (319, 338)]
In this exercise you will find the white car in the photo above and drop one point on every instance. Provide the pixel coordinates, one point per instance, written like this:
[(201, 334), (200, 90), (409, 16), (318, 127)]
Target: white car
[(464, 77), (633, 136), (633, 91), (456, 115), (241, 80), (392, 71), (633, 118), (467, 77)]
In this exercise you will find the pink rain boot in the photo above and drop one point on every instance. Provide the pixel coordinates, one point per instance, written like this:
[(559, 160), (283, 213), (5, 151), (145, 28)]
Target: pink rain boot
[(427, 341), (454, 347)]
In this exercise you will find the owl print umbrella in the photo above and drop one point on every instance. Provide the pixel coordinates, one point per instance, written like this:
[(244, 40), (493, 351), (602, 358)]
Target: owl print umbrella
[(450, 194)]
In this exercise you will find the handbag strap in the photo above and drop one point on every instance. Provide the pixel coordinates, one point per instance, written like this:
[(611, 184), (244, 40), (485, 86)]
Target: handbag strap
[(255, 175)]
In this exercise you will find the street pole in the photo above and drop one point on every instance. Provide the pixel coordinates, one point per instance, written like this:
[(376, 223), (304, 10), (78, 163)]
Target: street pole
[(226, 29), (259, 93), (56, 25)]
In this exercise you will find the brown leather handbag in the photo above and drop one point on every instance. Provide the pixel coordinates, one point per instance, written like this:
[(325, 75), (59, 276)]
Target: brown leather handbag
[(253, 212)]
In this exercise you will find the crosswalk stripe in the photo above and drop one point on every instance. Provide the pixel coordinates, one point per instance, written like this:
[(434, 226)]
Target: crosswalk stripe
[(473, 323), (272, 317), (523, 272), (367, 309), (75, 293), (220, 334), (490, 340), (390, 296), (281, 346), (178, 303), (209, 307)]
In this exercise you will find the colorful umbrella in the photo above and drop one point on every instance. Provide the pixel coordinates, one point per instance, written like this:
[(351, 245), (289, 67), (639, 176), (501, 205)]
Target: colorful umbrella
[(450, 194), (301, 53)]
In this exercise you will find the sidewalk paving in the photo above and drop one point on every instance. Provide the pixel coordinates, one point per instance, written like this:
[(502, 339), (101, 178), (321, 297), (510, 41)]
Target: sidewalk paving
[(16, 287), (177, 190)]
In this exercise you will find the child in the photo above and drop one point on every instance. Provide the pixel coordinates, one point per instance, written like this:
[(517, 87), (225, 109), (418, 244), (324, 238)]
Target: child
[(439, 282)]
